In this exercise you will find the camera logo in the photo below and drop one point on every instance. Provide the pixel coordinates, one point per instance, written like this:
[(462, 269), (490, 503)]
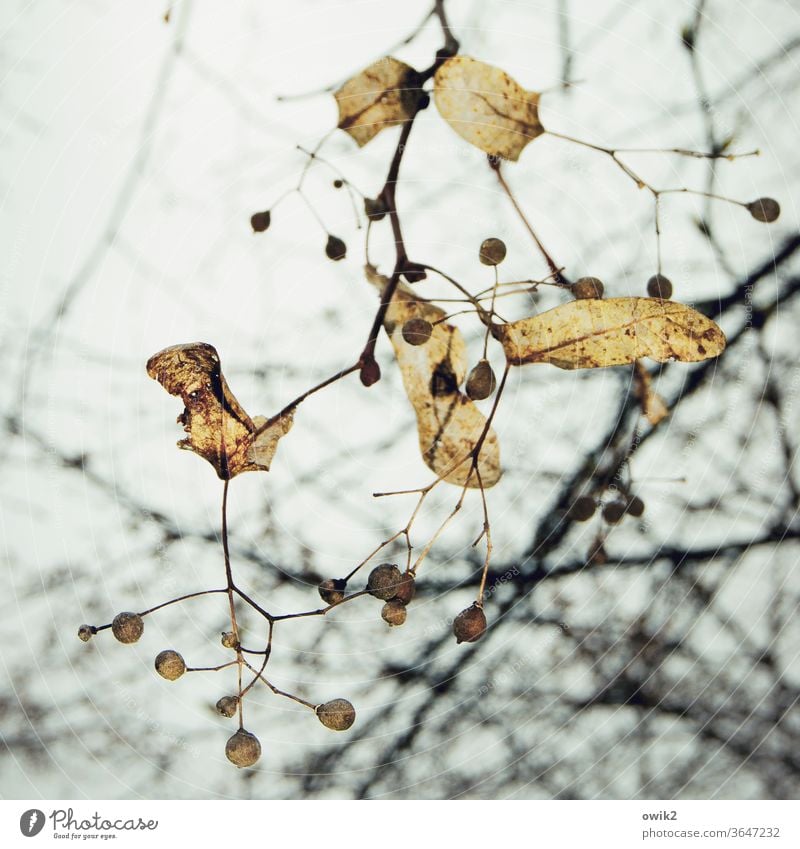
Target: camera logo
[(31, 822)]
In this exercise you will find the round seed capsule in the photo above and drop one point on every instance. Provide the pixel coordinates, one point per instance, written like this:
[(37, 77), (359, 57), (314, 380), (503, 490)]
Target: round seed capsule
[(335, 248), (170, 665), (243, 749), (331, 590), (370, 373), (406, 588), (417, 331), (492, 252), (260, 221), (229, 640), (614, 511), (394, 612), (765, 210), (127, 627), (635, 506), (586, 288), (659, 286), (227, 706), (481, 381), (85, 632), (414, 272), (337, 714), (469, 625), (383, 581)]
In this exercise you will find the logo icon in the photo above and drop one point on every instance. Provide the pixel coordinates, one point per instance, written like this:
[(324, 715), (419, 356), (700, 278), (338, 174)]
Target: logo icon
[(31, 822)]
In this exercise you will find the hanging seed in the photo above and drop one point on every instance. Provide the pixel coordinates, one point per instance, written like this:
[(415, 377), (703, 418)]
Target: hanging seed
[(481, 381)]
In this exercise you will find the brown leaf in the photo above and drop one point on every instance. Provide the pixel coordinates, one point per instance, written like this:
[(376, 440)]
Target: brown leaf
[(611, 332), (486, 107), (654, 408), (219, 429), (448, 423), (382, 95)]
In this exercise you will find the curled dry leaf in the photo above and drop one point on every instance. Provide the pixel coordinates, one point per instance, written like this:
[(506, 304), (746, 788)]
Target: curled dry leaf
[(219, 429), (449, 424), (486, 107), (382, 95), (611, 332), (654, 408)]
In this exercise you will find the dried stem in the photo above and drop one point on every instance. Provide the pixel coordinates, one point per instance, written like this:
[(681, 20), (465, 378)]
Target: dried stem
[(641, 183), (292, 405), (320, 611), (555, 270), (211, 668), (259, 676)]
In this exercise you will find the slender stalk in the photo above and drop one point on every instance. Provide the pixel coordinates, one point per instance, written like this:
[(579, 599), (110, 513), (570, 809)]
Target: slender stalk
[(555, 270), (300, 398), (179, 599)]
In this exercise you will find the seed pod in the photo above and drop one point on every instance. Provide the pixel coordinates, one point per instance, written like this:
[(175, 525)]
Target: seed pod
[(613, 511), (414, 272), (374, 208), (170, 665), (765, 210), (587, 287), (492, 252), (394, 612), (470, 624), (417, 331), (370, 373), (86, 632), (127, 627), (635, 506), (335, 248), (659, 286), (243, 749), (481, 381), (229, 640), (583, 508), (331, 590), (383, 581), (337, 714), (406, 588), (227, 706), (260, 221)]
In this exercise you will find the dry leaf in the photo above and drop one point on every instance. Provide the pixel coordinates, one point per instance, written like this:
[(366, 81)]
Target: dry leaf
[(486, 107), (262, 450), (219, 429), (654, 407), (449, 424), (382, 95), (611, 332)]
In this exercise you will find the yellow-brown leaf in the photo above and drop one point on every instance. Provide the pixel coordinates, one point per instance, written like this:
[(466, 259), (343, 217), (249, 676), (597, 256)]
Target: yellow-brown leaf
[(219, 429), (448, 423), (486, 106), (599, 333), (382, 95)]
